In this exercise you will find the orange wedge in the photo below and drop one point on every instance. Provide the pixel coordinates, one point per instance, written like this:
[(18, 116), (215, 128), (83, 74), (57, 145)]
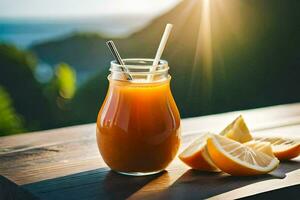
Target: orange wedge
[(238, 159), (283, 148), (196, 156), (264, 147), (237, 130)]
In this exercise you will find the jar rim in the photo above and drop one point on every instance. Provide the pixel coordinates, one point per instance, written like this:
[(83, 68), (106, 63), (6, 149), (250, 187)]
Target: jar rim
[(140, 69), (140, 66), (140, 62)]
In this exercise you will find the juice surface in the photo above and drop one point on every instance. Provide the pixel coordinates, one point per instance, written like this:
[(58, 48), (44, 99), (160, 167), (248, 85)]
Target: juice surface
[(138, 127)]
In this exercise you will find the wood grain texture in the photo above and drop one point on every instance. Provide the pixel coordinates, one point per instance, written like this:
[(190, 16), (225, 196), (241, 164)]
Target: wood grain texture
[(61, 163)]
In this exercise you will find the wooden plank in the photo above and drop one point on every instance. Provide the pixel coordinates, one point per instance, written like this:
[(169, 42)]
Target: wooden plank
[(23, 142), (51, 161), (65, 157)]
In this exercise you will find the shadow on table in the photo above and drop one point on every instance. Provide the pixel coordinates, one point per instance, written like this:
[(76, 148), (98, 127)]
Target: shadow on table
[(94, 184), (105, 184), (200, 185), (9, 190)]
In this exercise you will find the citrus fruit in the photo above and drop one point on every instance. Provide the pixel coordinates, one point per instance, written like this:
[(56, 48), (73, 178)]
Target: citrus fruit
[(283, 148), (238, 159), (264, 147), (237, 130), (196, 156)]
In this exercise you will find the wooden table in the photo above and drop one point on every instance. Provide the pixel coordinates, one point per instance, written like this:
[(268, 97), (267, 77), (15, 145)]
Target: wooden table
[(65, 164)]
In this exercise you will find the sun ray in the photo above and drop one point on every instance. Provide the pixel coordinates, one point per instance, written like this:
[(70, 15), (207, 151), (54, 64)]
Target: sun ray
[(183, 18), (203, 54)]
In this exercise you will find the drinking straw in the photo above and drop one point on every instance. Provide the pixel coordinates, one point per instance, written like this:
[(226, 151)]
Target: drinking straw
[(113, 49), (160, 49)]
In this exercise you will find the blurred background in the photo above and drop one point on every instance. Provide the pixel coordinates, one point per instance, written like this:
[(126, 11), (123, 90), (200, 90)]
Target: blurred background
[(224, 55)]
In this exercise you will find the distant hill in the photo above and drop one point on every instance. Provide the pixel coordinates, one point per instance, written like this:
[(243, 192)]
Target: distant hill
[(84, 51), (255, 56), (88, 50)]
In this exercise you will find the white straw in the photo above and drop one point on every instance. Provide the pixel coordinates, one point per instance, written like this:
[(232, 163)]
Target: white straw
[(160, 49)]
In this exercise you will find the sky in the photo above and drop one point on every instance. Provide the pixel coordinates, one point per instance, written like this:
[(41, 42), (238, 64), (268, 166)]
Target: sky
[(80, 8)]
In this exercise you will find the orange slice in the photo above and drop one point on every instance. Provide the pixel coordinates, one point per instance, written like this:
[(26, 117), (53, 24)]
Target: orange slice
[(238, 159), (196, 156), (237, 131), (283, 148)]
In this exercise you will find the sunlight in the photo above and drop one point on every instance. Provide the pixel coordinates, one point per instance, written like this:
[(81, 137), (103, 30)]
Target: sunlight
[(165, 180), (219, 22), (230, 15), (205, 38), (203, 53)]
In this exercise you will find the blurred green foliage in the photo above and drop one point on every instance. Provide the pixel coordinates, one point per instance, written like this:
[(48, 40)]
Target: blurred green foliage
[(17, 77), (42, 106), (10, 121), (60, 91), (66, 80)]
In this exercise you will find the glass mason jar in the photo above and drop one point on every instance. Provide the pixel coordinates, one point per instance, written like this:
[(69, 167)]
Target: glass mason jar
[(138, 125)]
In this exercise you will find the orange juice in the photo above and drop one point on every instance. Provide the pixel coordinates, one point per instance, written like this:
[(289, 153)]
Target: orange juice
[(138, 126)]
